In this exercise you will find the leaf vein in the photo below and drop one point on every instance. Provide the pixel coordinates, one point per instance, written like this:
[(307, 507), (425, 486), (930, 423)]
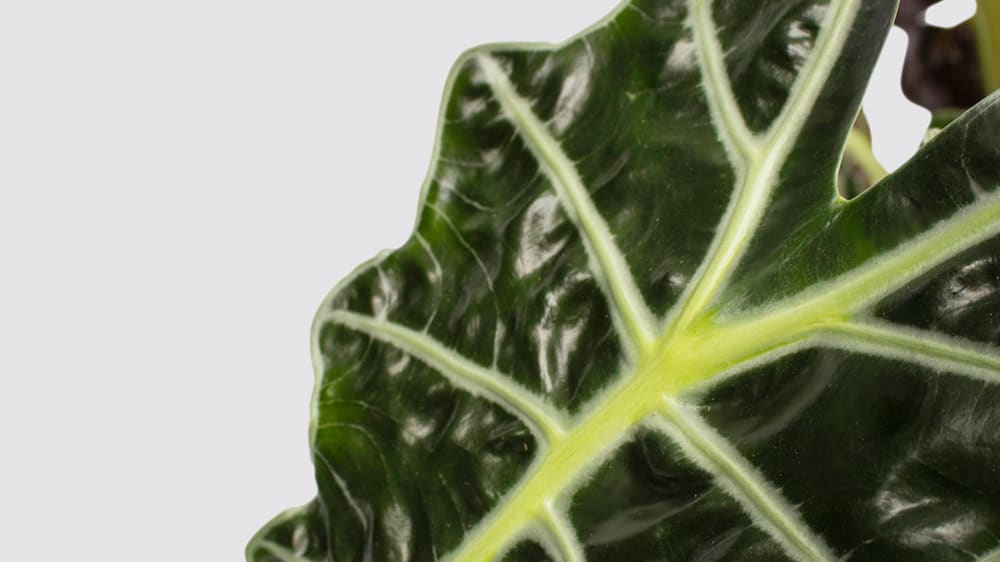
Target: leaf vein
[(918, 346), (858, 289), (991, 556), (757, 182), (562, 535), (718, 89), (609, 265), (742, 481), (280, 552), (497, 387)]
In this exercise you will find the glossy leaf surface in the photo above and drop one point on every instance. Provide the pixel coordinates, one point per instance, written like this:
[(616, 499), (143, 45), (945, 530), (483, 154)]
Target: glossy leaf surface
[(636, 322)]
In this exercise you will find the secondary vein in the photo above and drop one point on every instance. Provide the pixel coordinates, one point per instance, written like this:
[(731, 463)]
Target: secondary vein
[(563, 536), (718, 89), (281, 552), (919, 346), (489, 383), (757, 182), (607, 262), (734, 473)]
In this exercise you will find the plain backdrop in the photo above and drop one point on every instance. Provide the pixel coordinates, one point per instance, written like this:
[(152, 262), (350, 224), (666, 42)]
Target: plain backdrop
[(180, 185)]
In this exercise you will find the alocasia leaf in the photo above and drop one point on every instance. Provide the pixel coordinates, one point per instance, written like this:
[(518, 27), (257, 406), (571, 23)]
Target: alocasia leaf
[(636, 322)]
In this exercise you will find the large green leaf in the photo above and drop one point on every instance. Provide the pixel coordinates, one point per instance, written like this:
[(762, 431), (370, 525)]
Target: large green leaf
[(636, 322)]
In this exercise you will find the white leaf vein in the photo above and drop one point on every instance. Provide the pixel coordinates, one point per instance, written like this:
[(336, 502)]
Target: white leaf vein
[(718, 89), (860, 288), (765, 505), (913, 345), (547, 422), (756, 183), (991, 556), (608, 264), (280, 552), (562, 535)]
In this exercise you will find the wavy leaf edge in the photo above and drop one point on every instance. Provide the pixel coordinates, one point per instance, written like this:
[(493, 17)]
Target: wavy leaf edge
[(692, 337)]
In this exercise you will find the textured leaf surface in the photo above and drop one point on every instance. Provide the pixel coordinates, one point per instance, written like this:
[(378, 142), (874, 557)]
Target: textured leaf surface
[(636, 322)]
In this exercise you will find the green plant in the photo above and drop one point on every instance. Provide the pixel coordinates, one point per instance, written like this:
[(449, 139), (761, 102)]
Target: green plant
[(635, 320)]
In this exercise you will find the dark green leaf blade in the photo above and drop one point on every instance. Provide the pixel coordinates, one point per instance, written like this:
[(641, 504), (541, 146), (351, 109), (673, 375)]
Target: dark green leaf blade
[(635, 322)]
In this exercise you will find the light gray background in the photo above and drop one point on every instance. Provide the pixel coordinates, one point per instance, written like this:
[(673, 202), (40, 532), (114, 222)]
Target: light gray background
[(180, 184)]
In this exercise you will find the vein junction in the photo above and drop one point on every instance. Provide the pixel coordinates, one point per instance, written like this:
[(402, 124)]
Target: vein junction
[(758, 160)]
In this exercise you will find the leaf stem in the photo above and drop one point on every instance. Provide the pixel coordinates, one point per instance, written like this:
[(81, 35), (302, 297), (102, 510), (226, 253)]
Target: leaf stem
[(987, 24), (859, 150)]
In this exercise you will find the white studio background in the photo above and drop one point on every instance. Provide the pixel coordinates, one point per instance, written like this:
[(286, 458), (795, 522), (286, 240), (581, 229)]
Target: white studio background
[(180, 185)]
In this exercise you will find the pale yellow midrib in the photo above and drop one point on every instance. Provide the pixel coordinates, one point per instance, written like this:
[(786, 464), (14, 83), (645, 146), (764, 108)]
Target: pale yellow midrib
[(638, 397), (722, 103), (562, 535)]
